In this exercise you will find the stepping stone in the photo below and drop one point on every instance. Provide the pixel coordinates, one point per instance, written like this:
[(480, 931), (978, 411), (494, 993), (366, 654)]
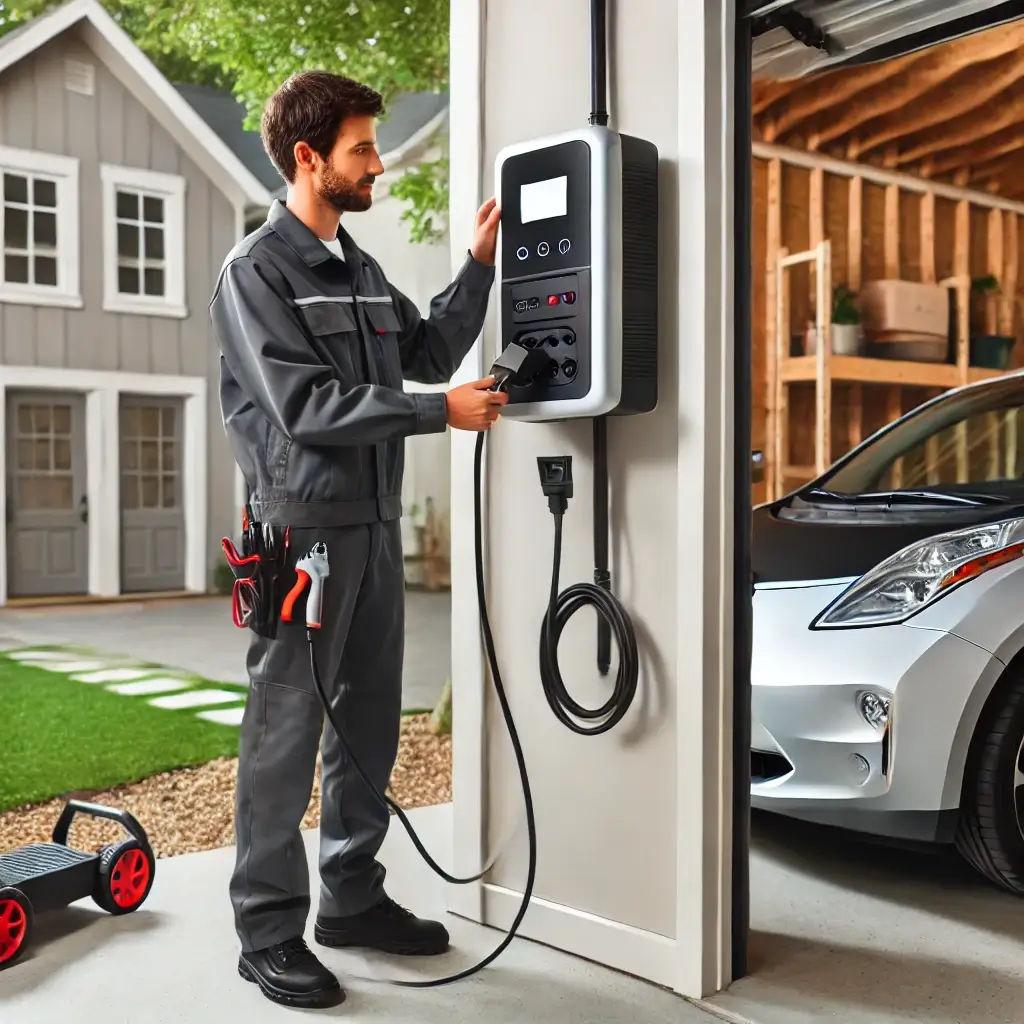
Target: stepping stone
[(42, 655), (113, 675), (223, 716), (145, 687), (196, 699), (66, 666)]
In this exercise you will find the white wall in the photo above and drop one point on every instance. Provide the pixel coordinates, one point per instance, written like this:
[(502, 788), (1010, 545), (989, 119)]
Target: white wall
[(634, 826)]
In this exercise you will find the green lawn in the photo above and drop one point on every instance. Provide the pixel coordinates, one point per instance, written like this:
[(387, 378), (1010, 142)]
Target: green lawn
[(59, 736)]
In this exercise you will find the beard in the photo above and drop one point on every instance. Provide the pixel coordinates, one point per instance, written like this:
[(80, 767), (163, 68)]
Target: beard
[(342, 193)]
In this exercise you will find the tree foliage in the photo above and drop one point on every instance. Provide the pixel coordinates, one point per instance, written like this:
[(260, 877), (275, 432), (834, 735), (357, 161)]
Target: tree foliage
[(425, 190), (251, 46)]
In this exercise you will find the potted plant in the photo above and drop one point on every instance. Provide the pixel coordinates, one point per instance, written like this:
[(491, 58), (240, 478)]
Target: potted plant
[(847, 339), (991, 351)]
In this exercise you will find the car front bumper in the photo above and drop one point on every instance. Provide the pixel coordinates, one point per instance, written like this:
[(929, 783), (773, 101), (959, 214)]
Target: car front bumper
[(814, 753)]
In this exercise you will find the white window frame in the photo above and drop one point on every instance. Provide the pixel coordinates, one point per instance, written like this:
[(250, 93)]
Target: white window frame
[(64, 171), (170, 188)]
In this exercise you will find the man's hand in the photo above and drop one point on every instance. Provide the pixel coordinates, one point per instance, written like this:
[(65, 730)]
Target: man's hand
[(473, 407), (485, 241)]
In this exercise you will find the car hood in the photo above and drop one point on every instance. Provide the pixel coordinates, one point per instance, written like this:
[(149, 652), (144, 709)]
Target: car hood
[(803, 548)]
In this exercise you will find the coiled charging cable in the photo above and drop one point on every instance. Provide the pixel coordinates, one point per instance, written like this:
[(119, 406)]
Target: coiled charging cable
[(561, 607)]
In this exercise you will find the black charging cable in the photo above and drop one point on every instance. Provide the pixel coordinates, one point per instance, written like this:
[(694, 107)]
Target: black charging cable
[(556, 482), (506, 711), (518, 364)]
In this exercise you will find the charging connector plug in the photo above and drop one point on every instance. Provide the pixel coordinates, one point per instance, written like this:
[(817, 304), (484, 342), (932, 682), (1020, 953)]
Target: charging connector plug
[(556, 481), (518, 367)]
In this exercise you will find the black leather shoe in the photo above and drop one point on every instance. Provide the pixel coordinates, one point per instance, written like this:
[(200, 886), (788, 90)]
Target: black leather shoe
[(290, 973), (386, 927)]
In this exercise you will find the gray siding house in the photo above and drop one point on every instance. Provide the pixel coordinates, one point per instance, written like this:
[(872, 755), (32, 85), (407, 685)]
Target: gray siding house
[(119, 203)]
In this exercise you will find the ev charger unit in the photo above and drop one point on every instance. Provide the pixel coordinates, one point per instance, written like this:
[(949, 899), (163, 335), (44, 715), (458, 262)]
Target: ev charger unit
[(578, 272)]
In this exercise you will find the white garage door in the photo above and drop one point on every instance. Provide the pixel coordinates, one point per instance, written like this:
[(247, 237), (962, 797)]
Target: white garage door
[(858, 30)]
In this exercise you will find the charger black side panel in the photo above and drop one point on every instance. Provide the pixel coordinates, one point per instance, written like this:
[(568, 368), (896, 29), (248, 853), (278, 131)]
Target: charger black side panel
[(639, 276)]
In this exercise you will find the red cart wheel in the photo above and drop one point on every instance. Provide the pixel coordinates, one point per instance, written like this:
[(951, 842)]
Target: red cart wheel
[(125, 877), (15, 925)]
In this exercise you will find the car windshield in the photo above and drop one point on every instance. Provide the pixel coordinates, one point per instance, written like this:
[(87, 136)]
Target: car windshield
[(971, 440)]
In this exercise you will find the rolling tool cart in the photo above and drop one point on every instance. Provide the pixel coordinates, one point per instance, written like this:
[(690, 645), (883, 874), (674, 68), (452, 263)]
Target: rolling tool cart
[(48, 876)]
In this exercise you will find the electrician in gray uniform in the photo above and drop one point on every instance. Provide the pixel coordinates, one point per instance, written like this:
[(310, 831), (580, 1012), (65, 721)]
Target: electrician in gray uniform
[(314, 346)]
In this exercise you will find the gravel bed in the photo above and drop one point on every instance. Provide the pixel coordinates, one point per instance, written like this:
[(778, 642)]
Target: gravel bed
[(192, 809)]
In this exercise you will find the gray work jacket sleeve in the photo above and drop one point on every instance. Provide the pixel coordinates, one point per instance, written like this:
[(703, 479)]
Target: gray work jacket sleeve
[(268, 352), (431, 349)]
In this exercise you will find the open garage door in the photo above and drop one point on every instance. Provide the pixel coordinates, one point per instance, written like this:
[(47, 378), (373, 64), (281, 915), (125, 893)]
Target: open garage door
[(792, 38), (779, 41)]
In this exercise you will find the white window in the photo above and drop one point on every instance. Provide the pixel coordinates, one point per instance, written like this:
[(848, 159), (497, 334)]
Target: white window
[(39, 228), (143, 242)]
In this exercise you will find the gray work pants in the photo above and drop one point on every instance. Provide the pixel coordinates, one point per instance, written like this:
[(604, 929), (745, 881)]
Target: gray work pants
[(359, 652)]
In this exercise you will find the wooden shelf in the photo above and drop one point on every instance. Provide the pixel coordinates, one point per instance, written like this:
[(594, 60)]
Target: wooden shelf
[(788, 313), (862, 370)]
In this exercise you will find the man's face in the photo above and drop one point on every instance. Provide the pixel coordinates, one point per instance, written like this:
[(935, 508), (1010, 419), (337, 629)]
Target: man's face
[(345, 180)]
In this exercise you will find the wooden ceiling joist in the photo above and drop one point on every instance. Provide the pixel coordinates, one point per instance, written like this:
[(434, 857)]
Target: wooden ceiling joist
[(977, 92), (980, 154), (767, 92), (968, 130), (954, 112), (906, 78), (822, 93)]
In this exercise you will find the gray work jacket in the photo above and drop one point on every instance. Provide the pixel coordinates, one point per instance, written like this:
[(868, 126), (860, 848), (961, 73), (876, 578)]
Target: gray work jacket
[(313, 352)]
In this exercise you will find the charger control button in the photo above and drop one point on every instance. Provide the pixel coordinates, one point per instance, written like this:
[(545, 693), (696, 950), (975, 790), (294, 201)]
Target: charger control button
[(564, 246), (543, 249), (522, 252)]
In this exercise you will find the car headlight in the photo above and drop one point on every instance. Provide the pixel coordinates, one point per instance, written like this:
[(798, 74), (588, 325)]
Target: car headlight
[(921, 573)]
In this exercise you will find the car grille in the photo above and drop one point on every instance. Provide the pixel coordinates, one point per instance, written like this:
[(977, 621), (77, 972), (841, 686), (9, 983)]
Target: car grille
[(765, 766)]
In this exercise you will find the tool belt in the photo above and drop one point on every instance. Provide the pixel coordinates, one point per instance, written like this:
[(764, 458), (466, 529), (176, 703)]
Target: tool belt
[(258, 588)]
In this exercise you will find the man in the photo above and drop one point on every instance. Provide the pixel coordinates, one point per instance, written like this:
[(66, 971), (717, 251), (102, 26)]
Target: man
[(315, 344)]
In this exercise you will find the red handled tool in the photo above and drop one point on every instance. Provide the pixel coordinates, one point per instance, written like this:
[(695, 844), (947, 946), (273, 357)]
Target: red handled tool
[(311, 570), (242, 566)]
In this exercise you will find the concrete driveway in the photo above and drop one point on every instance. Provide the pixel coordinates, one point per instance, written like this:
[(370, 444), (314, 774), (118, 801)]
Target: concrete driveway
[(197, 635), (173, 961)]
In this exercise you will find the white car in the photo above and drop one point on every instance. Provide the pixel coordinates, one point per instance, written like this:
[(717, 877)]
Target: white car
[(888, 648)]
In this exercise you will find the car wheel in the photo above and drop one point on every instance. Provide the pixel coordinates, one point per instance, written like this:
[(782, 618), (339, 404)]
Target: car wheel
[(124, 877), (990, 832), (16, 919)]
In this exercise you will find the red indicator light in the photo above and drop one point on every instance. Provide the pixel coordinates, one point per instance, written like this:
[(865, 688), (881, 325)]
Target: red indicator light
[(552, 300), (569, 297)]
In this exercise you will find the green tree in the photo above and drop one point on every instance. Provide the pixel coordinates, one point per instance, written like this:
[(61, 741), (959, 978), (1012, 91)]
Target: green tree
[(142, 21), (251, 46)]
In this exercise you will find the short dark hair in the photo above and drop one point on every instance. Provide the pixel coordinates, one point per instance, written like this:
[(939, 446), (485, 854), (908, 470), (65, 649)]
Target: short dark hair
[(310, 107)]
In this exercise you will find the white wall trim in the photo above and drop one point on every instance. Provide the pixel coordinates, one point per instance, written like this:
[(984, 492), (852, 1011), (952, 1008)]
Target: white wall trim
[(704, 549), (103, 390), (63, 170), (631, 950), (469, 677), (171, 189)]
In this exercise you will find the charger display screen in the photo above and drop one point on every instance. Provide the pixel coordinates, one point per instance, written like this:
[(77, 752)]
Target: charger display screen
[(542, 200)]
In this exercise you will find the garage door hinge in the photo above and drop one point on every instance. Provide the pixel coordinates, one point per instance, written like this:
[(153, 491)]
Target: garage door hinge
[(799, 26)]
